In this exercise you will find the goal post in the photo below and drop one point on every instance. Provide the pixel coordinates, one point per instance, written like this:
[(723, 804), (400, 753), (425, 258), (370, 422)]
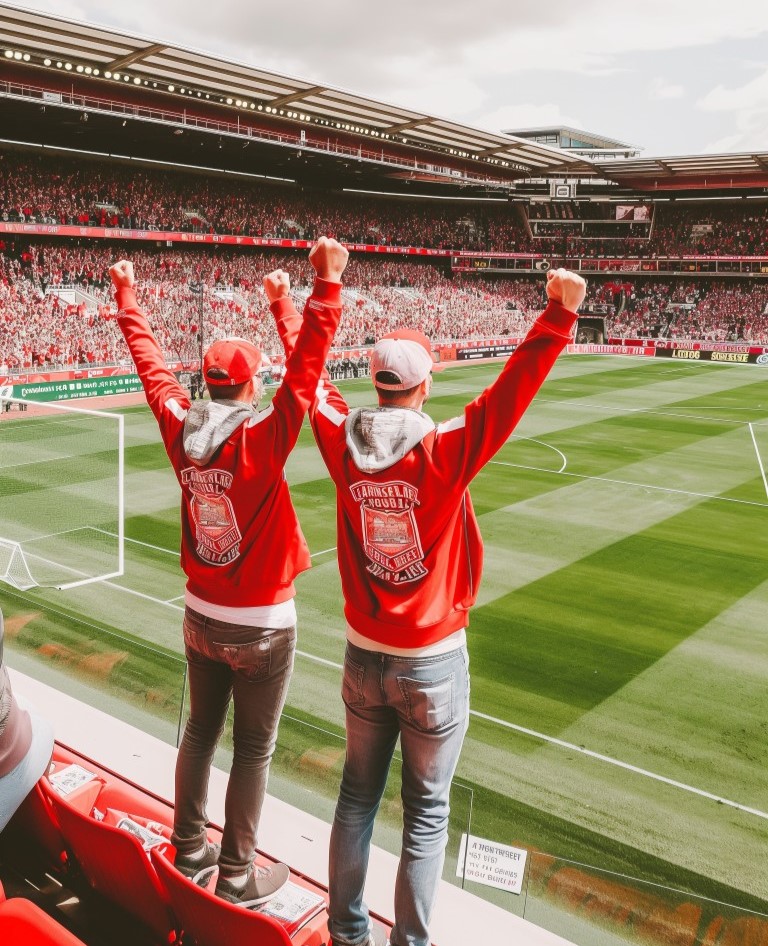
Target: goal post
[(62, 494), (13, 566)]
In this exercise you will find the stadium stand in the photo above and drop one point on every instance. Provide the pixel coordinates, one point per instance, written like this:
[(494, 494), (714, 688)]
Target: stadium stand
[(40, 328), (43, 190)]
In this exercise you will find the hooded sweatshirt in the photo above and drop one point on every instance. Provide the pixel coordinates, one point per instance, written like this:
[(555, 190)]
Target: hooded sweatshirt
[(241, 544), (409, 547)]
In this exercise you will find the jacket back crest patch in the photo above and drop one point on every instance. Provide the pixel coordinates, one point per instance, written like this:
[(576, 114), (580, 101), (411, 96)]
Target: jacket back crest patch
[(390, 534), (216, 530)]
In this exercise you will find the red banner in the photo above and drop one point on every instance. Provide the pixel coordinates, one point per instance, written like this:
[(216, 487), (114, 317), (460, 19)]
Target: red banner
[(227, 239)]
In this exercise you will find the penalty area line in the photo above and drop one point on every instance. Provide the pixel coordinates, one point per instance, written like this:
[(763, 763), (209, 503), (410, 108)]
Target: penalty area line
[(622, 765), (158, 548), (562, 744), (660, 489), (759, 458)]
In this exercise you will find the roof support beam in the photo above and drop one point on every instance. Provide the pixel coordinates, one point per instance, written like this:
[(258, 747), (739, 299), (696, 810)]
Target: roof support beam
[(297, 96), (135, 57), (404, 126)]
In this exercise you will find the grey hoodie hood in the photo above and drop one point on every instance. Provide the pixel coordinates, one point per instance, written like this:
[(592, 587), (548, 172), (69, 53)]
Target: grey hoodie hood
[(379, 437), (209, 423)]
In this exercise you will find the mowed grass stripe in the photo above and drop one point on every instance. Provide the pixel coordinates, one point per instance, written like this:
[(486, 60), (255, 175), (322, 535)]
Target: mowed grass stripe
[(538, 526)]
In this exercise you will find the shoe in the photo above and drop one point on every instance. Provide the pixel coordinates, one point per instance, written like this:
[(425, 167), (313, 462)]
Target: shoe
[(261, 885), (198, 869)]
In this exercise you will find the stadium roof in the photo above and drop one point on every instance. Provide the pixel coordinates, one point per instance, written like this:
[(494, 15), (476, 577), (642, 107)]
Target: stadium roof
[(479, 154), (703, 170), (43, 34), (589, 138)]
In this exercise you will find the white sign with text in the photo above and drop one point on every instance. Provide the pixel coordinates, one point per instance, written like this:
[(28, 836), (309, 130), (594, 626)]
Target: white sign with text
[(492, 864)]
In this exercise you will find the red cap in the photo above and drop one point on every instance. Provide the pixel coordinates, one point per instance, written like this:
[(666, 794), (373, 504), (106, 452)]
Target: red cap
[(235, 358)]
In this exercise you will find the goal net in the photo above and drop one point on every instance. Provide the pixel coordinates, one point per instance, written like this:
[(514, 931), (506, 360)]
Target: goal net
[(61, 495)]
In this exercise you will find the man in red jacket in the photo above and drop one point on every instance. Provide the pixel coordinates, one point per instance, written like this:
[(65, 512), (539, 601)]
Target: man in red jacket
[(241, 548), (410, 557)]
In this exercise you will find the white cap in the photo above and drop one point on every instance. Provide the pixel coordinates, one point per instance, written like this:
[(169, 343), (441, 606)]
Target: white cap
[(404, 355)]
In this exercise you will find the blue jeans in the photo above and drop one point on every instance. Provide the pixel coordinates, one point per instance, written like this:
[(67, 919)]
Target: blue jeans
[(253, 666), (425, 701)]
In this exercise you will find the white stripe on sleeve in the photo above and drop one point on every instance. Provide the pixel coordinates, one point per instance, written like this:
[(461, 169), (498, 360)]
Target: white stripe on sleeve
[(326, 409), (175, 408), (455, 424)]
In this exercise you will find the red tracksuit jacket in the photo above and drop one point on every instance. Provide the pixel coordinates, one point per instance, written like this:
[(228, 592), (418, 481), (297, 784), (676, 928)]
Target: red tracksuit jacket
[(241, 544), (409, 545)]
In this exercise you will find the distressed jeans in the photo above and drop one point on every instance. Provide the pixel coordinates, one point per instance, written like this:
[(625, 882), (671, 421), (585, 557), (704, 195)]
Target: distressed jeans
[(252, 666), (424, 701)]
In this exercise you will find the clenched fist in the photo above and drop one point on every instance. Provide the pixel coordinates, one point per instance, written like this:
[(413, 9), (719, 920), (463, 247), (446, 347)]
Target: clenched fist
[(328, 259), (122, 275), (566, 287), (277, 285)]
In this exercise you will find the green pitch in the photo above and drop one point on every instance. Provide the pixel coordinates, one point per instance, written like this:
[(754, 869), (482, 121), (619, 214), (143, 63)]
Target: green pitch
[(618, 650)]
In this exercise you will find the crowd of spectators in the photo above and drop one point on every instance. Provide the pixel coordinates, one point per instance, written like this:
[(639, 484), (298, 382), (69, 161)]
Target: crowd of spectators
[(42, 189), (715, 311), (44, 324), (56, 302)]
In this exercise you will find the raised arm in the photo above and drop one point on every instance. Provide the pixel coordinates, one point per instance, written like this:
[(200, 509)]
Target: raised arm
[(306, 340), (466, 443), (164, 393), (328, 408)]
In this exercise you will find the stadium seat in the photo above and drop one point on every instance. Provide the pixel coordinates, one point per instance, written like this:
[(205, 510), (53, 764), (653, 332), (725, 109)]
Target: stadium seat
[(115, 865), (211, 921), (35, 822), (24, 924)]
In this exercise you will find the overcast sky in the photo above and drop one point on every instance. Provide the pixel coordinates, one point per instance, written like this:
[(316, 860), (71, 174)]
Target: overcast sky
[(672, 76)]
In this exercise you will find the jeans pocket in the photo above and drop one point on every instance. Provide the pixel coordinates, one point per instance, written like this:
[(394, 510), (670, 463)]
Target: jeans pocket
[(194, 639), (352, 683), (429, 703), (253, 659)]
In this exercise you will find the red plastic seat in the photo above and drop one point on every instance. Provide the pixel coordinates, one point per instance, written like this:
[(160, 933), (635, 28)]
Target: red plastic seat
[(35, 820), (24, 924), (115, 865), (211, 921)]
